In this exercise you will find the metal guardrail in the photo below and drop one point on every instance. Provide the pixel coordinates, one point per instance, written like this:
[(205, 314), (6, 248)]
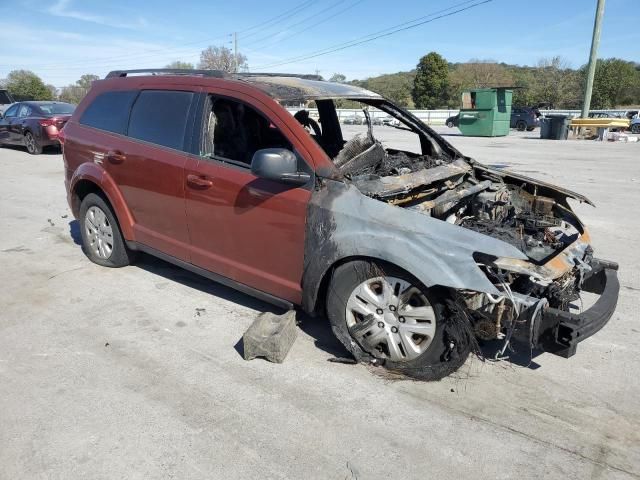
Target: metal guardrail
[(436, 117)]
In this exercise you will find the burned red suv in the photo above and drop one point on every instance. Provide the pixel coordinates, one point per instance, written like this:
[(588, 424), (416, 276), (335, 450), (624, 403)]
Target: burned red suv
[(411, 255)]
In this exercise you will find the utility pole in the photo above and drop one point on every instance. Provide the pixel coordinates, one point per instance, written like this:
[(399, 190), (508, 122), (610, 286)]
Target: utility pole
[(593, 59), (235, 52)]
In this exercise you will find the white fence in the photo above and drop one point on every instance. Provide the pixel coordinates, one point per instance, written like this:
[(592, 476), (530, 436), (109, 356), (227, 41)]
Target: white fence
[(433, 117)]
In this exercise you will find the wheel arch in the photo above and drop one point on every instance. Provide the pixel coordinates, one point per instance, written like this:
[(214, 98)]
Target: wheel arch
[(91, 179), (315, 291)]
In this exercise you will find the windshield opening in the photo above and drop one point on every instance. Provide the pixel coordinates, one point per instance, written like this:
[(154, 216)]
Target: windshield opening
[(369, 137)]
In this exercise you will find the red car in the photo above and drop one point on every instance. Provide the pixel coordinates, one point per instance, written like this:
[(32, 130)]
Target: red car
[(34, 125), (410, 254)]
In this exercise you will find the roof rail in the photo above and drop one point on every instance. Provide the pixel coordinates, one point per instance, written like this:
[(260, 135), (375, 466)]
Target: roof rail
[(168, 71), (265, 74)]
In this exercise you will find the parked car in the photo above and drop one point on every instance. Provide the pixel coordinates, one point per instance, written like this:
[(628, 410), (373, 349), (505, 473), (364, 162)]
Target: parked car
[(353, 120), (35, 125), (524, 118), (409, 255), (390, 122), (604, 115), (453, 121), (5, 99)]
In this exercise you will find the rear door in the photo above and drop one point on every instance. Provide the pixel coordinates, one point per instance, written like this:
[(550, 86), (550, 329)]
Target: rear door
[(246, 228), (149, 166), (139, 138)]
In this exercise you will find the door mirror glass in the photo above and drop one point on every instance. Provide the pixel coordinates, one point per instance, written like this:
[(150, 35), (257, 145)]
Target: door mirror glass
[(278, 164)]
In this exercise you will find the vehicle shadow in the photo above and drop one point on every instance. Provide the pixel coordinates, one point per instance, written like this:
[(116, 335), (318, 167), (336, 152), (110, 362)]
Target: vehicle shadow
[(74, 232), (45, 150), (317, 328), (516, 354), (171, 272)]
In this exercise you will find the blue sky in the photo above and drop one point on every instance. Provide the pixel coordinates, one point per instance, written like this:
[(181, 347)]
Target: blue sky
[(63, 39)]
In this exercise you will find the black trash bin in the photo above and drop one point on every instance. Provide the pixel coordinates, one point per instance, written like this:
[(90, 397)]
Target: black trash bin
[(545, 128), (559, 127)]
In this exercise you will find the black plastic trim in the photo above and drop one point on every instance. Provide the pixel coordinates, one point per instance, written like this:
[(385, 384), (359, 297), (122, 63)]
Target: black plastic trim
[(561, 331)]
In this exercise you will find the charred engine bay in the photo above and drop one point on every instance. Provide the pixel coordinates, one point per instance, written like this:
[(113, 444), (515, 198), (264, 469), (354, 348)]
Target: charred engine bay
[(450, 190)]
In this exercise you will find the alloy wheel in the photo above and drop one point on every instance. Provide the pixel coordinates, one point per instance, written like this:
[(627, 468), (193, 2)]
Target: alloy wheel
[(30, 142), (391, 318)]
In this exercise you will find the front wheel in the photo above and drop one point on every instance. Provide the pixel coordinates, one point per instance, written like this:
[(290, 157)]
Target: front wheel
[(33, 147), (450, 124), (382, 314), (521, 126), (635, 128)]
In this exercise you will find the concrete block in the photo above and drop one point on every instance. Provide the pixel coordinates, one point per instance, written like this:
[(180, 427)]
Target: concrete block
[(270, 336)]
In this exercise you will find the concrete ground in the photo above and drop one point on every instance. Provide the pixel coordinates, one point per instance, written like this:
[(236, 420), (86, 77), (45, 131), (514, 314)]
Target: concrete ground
[(136, 373)]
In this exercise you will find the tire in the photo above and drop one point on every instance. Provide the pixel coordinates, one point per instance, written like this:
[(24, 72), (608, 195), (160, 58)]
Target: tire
[(530, 129), (424, 351), (102, 240), (30, 141), (635, 128), (521, 126), (450, 124)]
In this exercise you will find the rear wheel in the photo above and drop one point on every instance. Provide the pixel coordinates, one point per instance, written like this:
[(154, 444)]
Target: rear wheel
[(521, 126), (635, 128), (30, 141), (101, 237), (382, 314)]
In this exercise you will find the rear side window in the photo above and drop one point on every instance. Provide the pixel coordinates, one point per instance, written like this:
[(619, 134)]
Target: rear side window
[(109, 111), (160, 117)]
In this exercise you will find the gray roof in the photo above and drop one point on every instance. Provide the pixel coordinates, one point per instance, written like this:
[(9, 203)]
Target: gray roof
[(296, 88)]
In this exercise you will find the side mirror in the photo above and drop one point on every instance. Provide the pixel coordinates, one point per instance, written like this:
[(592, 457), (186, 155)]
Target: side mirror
[(278, 164)]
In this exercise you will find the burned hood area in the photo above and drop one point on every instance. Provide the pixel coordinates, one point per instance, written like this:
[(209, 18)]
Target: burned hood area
[(444, 185)]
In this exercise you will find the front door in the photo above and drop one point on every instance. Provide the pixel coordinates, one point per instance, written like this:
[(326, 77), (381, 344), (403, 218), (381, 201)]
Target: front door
[(243, 227)]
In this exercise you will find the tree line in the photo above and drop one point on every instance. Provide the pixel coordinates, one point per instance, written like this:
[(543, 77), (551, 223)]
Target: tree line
[(434, 83)]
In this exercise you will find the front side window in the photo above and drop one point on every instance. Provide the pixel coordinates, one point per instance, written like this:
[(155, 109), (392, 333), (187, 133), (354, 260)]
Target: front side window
[(109, 111), (234, 131), (160, 117)]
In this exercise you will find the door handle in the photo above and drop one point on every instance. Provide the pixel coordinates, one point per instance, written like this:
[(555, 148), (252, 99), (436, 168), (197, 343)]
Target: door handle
[(200, 182), (116, 157)]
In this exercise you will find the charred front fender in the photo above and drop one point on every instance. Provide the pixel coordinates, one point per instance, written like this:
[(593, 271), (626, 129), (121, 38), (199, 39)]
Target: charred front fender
[(91, 172), (344, 223)]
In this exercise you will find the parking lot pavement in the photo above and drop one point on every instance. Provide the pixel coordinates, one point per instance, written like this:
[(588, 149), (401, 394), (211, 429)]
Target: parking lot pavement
[(136, 372)]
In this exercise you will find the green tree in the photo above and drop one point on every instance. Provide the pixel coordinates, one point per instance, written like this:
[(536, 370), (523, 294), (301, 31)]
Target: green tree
[(26, 85), (431, 83), (180, 65), (338, 77), (615, 83)]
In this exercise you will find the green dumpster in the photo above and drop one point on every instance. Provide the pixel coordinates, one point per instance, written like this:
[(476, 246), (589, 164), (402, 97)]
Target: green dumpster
[(486, 112)]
